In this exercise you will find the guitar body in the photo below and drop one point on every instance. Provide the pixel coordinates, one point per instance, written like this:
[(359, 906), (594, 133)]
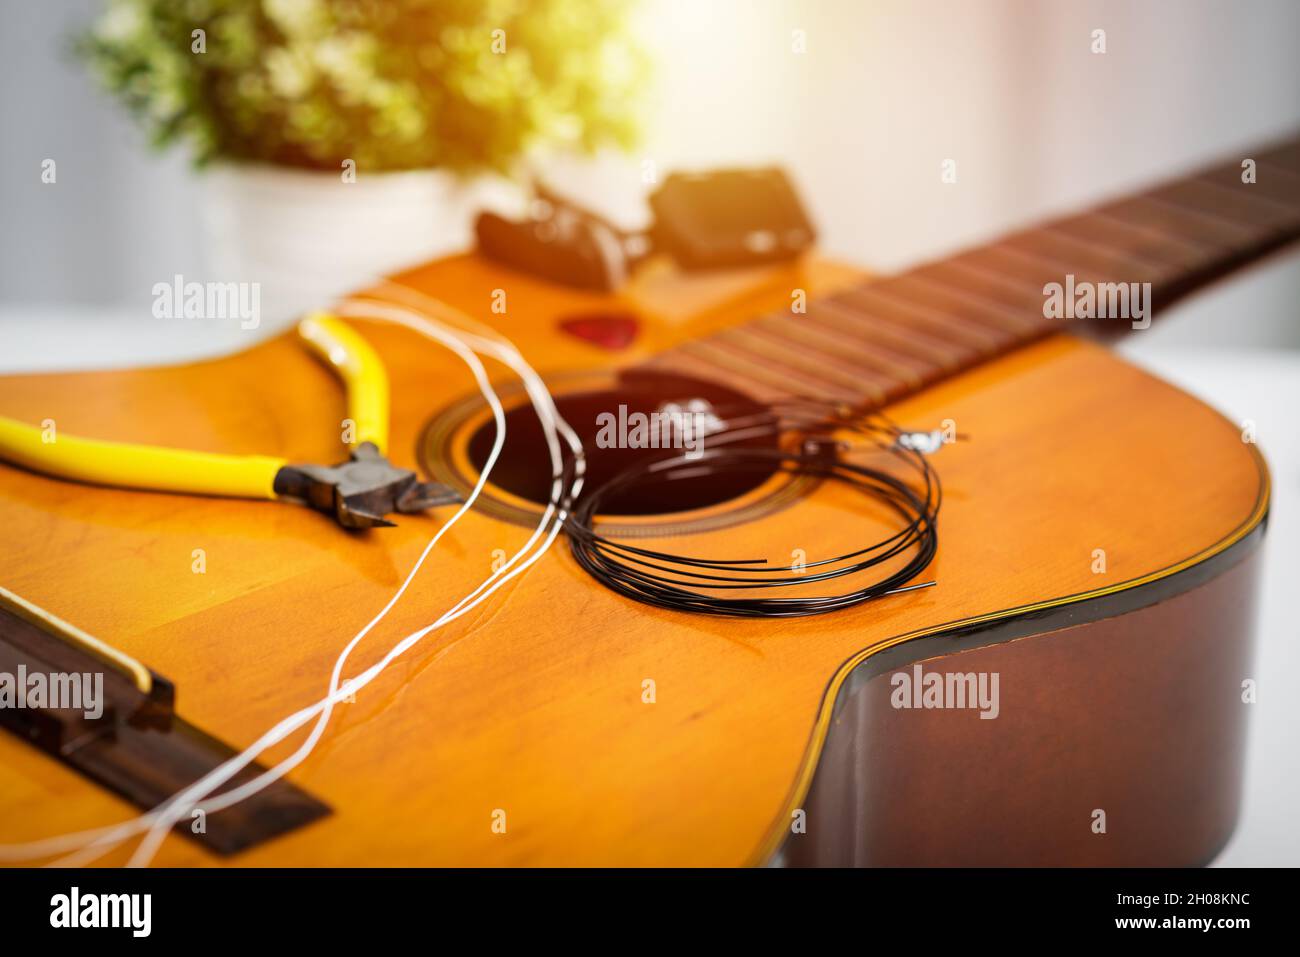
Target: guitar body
[(1097, 545)]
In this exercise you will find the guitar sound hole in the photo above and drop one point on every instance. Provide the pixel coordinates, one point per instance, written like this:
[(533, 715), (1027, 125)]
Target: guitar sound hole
[(523, 467)]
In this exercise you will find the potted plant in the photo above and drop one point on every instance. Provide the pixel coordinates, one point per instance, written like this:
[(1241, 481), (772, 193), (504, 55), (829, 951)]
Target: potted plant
[(340, 139)]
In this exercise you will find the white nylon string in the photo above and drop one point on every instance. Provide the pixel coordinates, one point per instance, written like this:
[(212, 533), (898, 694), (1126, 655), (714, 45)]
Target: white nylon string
[(552, 423), (93, 843)]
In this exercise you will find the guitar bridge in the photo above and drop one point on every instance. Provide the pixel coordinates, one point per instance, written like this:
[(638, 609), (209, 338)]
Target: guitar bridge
[(121, 730)]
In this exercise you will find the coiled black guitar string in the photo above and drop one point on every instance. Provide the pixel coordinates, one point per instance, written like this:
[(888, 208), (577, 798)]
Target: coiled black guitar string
[(708, 586)]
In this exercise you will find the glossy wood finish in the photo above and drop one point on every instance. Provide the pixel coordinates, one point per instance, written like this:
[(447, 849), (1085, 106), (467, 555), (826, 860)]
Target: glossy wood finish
[(1140, 716), (136, 745), (534, 705)]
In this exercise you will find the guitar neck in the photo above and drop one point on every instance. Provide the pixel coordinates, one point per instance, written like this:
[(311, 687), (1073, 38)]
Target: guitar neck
[(1116, 264)]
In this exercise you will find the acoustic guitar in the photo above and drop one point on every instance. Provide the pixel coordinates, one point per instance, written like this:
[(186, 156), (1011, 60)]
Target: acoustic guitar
[(1098, 551)]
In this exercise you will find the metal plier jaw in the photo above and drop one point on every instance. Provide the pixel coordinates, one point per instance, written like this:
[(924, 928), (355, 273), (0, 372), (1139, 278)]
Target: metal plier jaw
[(362, 490)]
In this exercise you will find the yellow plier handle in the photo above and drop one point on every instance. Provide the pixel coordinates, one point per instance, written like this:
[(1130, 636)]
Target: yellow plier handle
[(128, 465), (361, 370)]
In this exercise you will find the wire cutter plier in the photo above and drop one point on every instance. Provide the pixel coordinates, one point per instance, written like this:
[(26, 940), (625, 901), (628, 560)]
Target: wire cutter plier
[(358, 492)]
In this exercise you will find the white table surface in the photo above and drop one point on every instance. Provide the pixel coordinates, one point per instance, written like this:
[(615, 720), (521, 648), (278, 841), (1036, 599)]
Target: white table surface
[(1262, 385), (1258, 384)]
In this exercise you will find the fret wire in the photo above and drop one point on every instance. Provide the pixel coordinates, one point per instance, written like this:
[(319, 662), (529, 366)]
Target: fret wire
[(1054, 273), (1116, 254), (1256, 195), (1057, 270), (1277, 184), (976, 338), (1007, 319), (890, 379), (1213, 222), (1113, 258), (822, 342), (992, 333), (758, 383), (802, 385), (1084, 275), (887, 316), (789, 358), (1234, 212), (1218, 221), (1197, 248), (909, 339), (1019, 319), (994, 291), (1011, 285), (882, 341), (696, 367)]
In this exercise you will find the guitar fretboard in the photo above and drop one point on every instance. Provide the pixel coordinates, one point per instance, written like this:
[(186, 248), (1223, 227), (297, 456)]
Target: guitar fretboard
[(882, 339)]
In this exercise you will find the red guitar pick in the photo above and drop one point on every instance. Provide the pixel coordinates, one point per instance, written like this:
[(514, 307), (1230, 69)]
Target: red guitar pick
[(609, 331)]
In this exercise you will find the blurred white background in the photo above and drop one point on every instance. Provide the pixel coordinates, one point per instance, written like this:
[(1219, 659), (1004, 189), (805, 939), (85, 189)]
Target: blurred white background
[(885, 92)]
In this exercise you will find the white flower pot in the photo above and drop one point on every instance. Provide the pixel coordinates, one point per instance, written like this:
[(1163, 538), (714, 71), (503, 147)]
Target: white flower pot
[(307, 237)]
